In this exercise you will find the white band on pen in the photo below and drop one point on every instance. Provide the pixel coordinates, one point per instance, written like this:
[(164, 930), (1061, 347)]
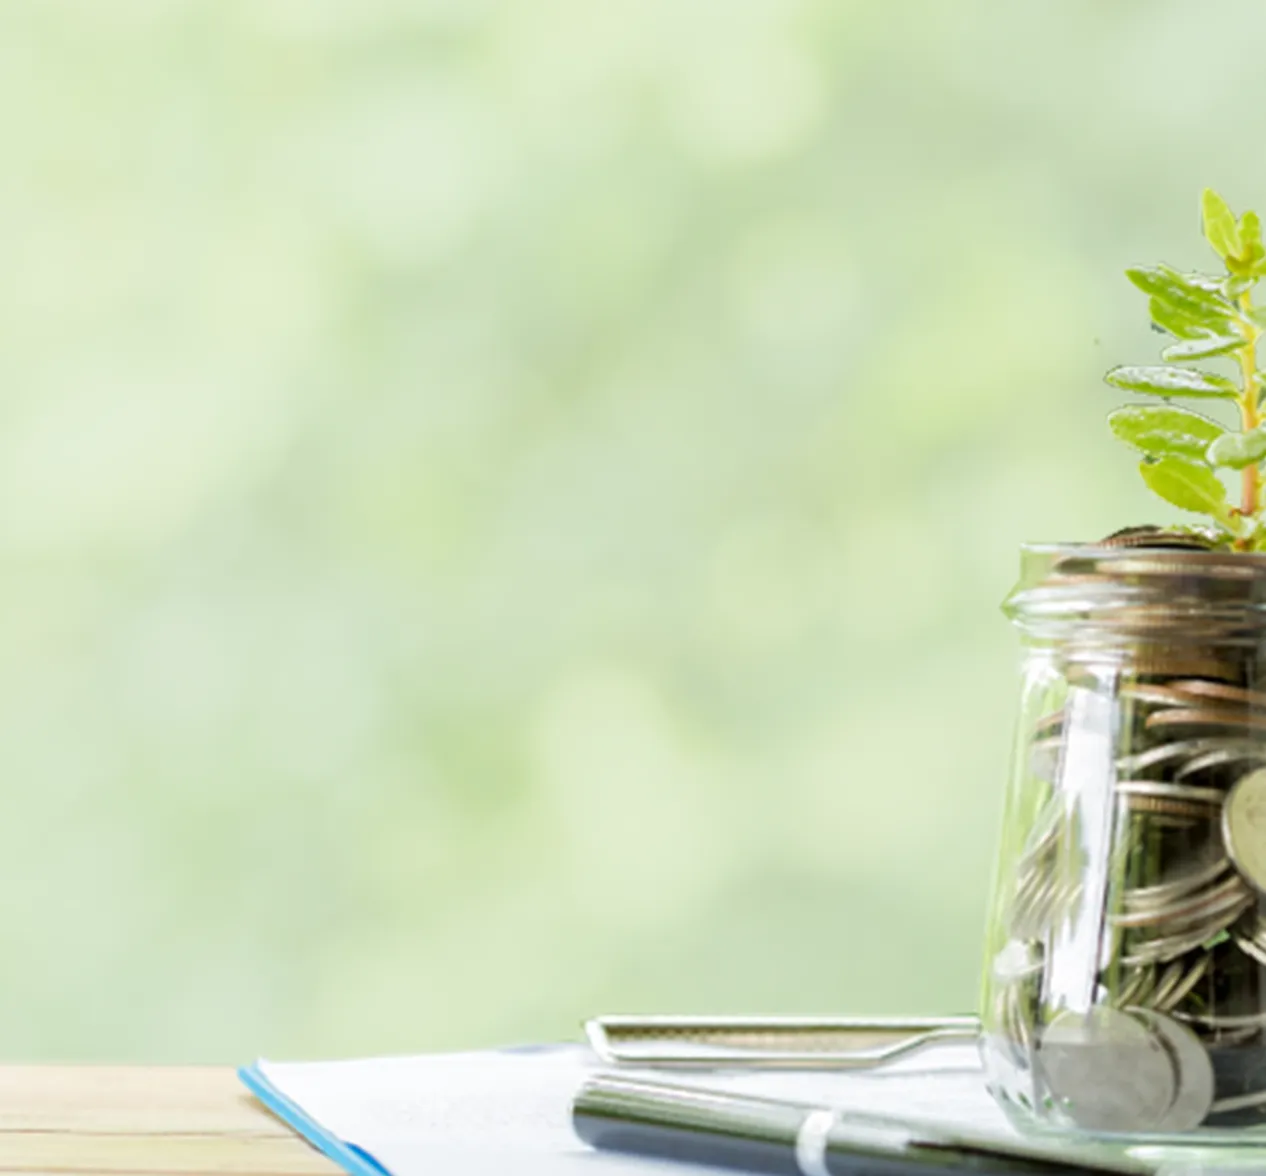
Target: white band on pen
[(811, 1141), (860, 1135)]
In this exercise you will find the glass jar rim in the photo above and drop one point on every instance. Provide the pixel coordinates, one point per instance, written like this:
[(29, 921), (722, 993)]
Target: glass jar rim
[(1108, 587)]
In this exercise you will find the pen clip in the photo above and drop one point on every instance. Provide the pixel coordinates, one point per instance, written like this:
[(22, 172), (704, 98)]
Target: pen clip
[(836, 1043)]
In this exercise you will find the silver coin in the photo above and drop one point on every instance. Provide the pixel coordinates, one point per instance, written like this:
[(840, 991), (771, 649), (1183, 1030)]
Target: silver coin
[(1251, 947), (1244, 827), (1241, 752), (1184, 988), (1167, 753), (1044, 833), (1160, 790), (1238, 1102), (1202, 907), (1167, 982), (1107, 1070), (1225, 1038), (1137, 989), (1193, 1072), (1255, 1020), (1160, 894), (1163, 948)]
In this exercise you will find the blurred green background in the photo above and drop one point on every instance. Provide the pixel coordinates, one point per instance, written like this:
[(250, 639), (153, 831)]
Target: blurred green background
[(505, 504)]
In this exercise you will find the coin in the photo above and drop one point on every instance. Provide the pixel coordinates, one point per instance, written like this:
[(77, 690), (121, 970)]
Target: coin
[(1233, 752), (1203, 564), (1138, 989), (1107, 1070), (1158, 894), (1159, 790), (1170, 813), (1165, 984), (1158, 618), (1240, 1075), (1149, 536), (1150, 694), (1201, 690), (1244, 827), (1255, 1020), (1250, 946), (1162, 948), (1177, 751), (1192, 1068), (1202, 907), (1186, 985), (1218, 718)]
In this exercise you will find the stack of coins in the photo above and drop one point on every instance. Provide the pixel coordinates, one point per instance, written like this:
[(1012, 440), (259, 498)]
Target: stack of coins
[(1168, 1031)]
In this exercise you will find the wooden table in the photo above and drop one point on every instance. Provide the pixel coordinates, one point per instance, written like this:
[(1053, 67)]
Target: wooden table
[(170, 1121)]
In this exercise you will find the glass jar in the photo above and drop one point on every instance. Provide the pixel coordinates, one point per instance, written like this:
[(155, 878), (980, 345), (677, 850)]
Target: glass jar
[(1125, 959)]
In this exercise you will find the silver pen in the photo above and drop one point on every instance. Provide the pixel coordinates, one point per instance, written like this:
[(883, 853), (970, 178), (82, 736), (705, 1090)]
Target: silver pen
[(638, 1117), (836, 1043)]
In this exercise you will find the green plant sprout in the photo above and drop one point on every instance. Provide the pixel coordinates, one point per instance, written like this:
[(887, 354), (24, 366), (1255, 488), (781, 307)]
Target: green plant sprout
[(1208, 317)]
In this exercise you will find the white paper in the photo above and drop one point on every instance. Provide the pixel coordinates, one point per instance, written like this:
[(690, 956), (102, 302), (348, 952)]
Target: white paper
[(476, 1112)]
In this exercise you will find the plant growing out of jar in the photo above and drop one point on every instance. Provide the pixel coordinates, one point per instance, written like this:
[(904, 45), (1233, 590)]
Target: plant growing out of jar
[(1208, 317)]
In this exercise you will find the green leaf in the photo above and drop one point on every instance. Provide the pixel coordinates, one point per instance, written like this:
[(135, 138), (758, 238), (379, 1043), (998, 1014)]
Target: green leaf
[(1203, 346), (1165, 429), (1220, 229), (1187, 485), (1205, 304), (1171, 381), (1237, 450), (1183, 326), (1251, 238), (1238, 284)]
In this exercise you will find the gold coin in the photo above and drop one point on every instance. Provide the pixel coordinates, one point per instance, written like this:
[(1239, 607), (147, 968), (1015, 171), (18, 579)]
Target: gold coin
[(1150, 694), (1213, 565), (1200, 690), (1217, 717), (1152, 806), (1244, 827), (1157, 537)]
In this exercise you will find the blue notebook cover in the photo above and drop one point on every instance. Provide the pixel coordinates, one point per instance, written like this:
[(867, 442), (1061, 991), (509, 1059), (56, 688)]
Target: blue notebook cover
[(357, 1161)]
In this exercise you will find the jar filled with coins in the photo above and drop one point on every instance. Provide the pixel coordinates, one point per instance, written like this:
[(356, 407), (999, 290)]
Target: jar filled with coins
[(1125, 960)]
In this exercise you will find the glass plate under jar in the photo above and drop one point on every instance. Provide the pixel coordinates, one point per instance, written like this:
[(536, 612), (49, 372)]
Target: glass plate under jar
[(1124, 984)]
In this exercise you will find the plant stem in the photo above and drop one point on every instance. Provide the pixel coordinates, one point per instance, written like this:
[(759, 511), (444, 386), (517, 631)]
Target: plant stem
[(1250, 412)]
